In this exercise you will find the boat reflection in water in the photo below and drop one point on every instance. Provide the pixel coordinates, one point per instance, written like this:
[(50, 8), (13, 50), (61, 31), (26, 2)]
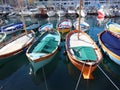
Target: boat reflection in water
[(10, 67), (99, 80), (102, 21), (111, 67), (14, 75), (72, 70), (45, 72)]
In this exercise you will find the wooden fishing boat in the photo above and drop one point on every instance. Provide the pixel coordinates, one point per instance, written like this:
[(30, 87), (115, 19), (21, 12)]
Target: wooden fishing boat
[(110, 43), (83, 52), (45, 27), (64, 26), (18, 43), (84, 26), (2, 36), (10, 28), (114, 27), (44, 49), (51, 9)]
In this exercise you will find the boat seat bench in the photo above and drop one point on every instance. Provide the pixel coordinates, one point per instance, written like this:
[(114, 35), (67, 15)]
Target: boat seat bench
[(85, 53), (45, 45), (50, 47)]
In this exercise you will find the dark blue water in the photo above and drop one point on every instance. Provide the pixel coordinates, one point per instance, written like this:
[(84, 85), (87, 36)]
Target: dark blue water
[(59, 74)]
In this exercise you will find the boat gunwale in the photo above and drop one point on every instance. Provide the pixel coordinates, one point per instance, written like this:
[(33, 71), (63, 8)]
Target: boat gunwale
[(80, 61), (47, 55), (7, 55), (105, 48)]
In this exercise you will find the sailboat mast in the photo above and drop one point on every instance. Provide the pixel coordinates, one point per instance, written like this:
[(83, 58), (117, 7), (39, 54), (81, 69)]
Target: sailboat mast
[(79, 19), (60, 4), (80, 9), (19, 4)]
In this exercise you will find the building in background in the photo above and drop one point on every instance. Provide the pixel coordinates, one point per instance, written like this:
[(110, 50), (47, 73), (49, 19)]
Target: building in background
[(65, 3)]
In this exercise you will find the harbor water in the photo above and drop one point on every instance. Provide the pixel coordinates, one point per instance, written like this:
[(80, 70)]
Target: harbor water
[(60, 73)]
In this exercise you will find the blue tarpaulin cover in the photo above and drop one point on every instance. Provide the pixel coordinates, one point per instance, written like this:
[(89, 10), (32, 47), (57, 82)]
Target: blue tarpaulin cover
[(111, 42)]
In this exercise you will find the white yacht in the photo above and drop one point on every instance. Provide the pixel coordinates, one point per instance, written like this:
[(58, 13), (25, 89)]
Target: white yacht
[(71, 11), (51, 10), (84, 26), (83, 12), (29, 12), (60, 10), (5, 9)]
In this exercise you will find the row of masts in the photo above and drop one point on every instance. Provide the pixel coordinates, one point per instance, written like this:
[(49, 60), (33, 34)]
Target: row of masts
[(86, 3)]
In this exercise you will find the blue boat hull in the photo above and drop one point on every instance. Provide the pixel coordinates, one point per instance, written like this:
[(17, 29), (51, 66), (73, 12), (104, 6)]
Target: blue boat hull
[(110, 44)]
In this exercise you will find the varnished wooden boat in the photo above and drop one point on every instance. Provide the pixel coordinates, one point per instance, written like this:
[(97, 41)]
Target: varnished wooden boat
[(44, 49), (83, 52), (18, 43), (110, 43), (64, 26)]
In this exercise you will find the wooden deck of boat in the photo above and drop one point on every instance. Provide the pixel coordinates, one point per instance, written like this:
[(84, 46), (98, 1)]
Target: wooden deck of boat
[(15, 45), (83, 41)]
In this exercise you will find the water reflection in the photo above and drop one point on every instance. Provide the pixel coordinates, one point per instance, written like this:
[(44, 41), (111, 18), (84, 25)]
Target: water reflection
[(99, 82), (60, 73), (10, 67), (44, 72), (111, 67), (102, 21), (72, 70)]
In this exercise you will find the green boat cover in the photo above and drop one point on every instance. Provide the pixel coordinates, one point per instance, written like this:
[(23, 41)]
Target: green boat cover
[(50, 47), (85, 53), (45, 45)]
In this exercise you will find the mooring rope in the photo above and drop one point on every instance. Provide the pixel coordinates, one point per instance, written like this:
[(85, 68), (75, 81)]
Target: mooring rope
[(45, 78), (80, 77), (109, 78)]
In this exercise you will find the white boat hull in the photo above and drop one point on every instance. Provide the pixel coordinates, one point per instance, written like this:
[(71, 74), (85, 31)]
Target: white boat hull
[(14, 46), (84, 26), (51, 13), (43, 50), (114, 60), (61, 13), (36, 66), (83, 13)]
